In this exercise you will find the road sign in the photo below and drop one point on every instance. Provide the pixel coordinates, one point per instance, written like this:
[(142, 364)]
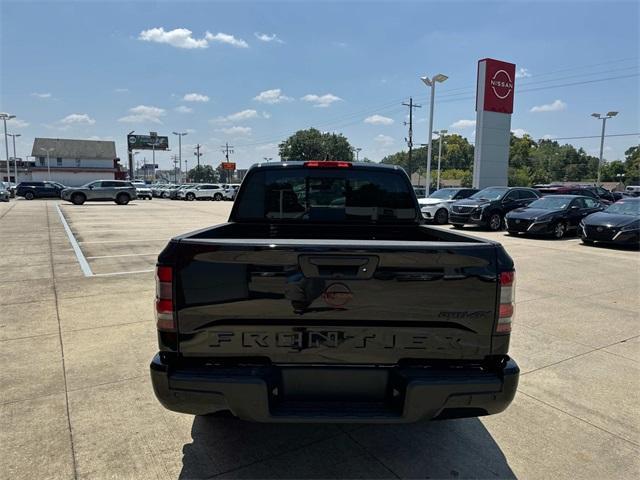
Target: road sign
[(228, 165), (147, 142)]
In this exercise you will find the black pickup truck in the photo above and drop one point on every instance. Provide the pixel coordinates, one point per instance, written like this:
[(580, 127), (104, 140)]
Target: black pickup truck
[(325, 299)]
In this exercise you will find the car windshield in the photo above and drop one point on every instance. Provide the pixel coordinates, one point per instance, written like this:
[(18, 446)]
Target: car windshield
[(491, 193), (551, 203), (444, 193), (625, 208)]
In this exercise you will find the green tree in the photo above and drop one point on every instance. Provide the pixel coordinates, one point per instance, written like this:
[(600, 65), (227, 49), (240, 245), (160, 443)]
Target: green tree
[(311, 144), (202, 174), (519, 177), (632, 165)]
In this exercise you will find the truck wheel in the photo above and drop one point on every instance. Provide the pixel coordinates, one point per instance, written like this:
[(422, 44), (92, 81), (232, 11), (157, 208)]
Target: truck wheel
[(441, 217), (217, 197), (29, 196), (78, 198), (457, 226), (559, 230), (122, 199), (495, 222), (191, 196)]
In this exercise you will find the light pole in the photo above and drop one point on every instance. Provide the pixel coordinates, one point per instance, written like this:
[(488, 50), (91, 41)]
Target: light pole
[(180, 135), (357, 150), (6, 116), (48, 150), (431, 82), (441, 135), (604, 119), (15, 159)]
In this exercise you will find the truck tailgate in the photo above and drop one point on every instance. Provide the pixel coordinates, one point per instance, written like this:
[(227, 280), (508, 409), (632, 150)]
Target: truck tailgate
[(324, 303)]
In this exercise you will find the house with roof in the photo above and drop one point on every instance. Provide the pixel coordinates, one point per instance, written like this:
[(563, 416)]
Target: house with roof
[(75, 162)]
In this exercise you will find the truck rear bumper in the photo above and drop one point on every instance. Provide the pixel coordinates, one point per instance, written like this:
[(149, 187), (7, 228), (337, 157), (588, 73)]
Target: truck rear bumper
[(409, 394)]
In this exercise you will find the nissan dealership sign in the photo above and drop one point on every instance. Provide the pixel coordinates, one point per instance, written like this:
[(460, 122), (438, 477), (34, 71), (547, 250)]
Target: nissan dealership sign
[(494, 106), (496, 83)]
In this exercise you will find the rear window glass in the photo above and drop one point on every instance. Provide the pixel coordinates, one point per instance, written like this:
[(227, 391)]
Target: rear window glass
[(326, 195)]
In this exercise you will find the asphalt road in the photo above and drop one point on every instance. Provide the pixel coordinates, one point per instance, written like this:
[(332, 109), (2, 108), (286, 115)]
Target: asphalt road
[(77, 333)]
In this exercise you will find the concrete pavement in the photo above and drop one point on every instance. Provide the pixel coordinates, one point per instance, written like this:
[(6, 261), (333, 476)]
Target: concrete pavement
[(77, 403)]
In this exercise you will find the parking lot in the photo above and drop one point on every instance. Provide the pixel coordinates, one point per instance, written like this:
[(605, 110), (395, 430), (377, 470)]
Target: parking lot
[(77, 333)]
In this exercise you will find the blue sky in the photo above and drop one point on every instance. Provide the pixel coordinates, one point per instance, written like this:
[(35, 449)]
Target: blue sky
[(251, 73)]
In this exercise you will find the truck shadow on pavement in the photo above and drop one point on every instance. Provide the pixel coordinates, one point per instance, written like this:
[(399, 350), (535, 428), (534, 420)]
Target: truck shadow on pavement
[(231, 448)]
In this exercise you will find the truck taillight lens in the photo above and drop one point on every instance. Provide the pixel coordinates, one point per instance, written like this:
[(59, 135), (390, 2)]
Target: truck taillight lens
[(507, 298), (164, 299)]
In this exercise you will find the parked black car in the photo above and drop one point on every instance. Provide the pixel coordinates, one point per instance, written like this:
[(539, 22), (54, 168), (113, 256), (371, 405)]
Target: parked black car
[(618, 224), (554, 215), (489, 206), (46, 189), (585, 191)]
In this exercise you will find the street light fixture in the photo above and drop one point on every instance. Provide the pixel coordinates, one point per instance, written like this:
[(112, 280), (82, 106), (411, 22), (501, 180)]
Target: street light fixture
[(6, 116), (441, 135), (267, 159), (604, 119), (15, 158), (180, 135), (357, 150), (431, 82), (48, 150)]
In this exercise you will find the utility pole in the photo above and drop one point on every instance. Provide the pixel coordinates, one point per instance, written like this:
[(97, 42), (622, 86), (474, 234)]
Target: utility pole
[(604, 119), (175, 168), (186, 170), (198, 154), (409, 139), (227, 149)]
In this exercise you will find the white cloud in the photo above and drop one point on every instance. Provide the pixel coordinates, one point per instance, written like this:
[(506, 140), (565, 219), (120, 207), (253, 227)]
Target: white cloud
[(265, 37), (121, 90), (183, 38), (195, 97), (555, 106), (184, 109), (77, 119), (266, 115), (236, 117), (143, 114), (226, 38), (378, 120), (236, 131), (523, 73), (17, 123), (272, 96), (322, 101), (384, 140), (462, 124), (179, 38), (519, 132), (41, 95)]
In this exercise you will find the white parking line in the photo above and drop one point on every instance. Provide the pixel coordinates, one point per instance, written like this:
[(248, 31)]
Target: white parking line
[(112, 274), (84, 265), (124, 255), (130, 241)]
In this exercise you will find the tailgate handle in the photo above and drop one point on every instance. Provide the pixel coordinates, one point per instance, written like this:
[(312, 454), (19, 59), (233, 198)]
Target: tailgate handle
[(338, 266)]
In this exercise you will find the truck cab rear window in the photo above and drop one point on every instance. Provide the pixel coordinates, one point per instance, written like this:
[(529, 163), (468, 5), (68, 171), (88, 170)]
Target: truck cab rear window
[(300, 194)]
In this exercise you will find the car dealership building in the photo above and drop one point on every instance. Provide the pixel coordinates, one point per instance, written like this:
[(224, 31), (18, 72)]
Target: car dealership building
[(75, 162)]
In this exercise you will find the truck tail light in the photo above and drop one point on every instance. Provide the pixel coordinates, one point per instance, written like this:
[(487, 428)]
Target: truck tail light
[(165, 320), (507, 297), (327, 164)]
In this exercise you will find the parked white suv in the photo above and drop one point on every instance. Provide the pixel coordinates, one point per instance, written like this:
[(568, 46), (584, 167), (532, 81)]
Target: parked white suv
[(230, 191), (205, 191)]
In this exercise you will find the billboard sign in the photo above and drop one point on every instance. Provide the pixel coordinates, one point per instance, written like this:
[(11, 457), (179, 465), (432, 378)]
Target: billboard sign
[(228, 165), (147, 142), (496, 84)]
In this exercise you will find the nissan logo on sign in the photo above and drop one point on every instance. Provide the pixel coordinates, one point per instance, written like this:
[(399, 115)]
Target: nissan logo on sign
[(496, 85), (501, 84)]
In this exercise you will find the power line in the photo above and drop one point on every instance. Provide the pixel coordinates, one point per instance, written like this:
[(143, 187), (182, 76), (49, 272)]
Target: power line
[(593, 136)]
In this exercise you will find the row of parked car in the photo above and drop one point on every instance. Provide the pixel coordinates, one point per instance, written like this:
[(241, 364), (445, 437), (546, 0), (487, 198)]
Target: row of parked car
[(195, 191), (596, 214)]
